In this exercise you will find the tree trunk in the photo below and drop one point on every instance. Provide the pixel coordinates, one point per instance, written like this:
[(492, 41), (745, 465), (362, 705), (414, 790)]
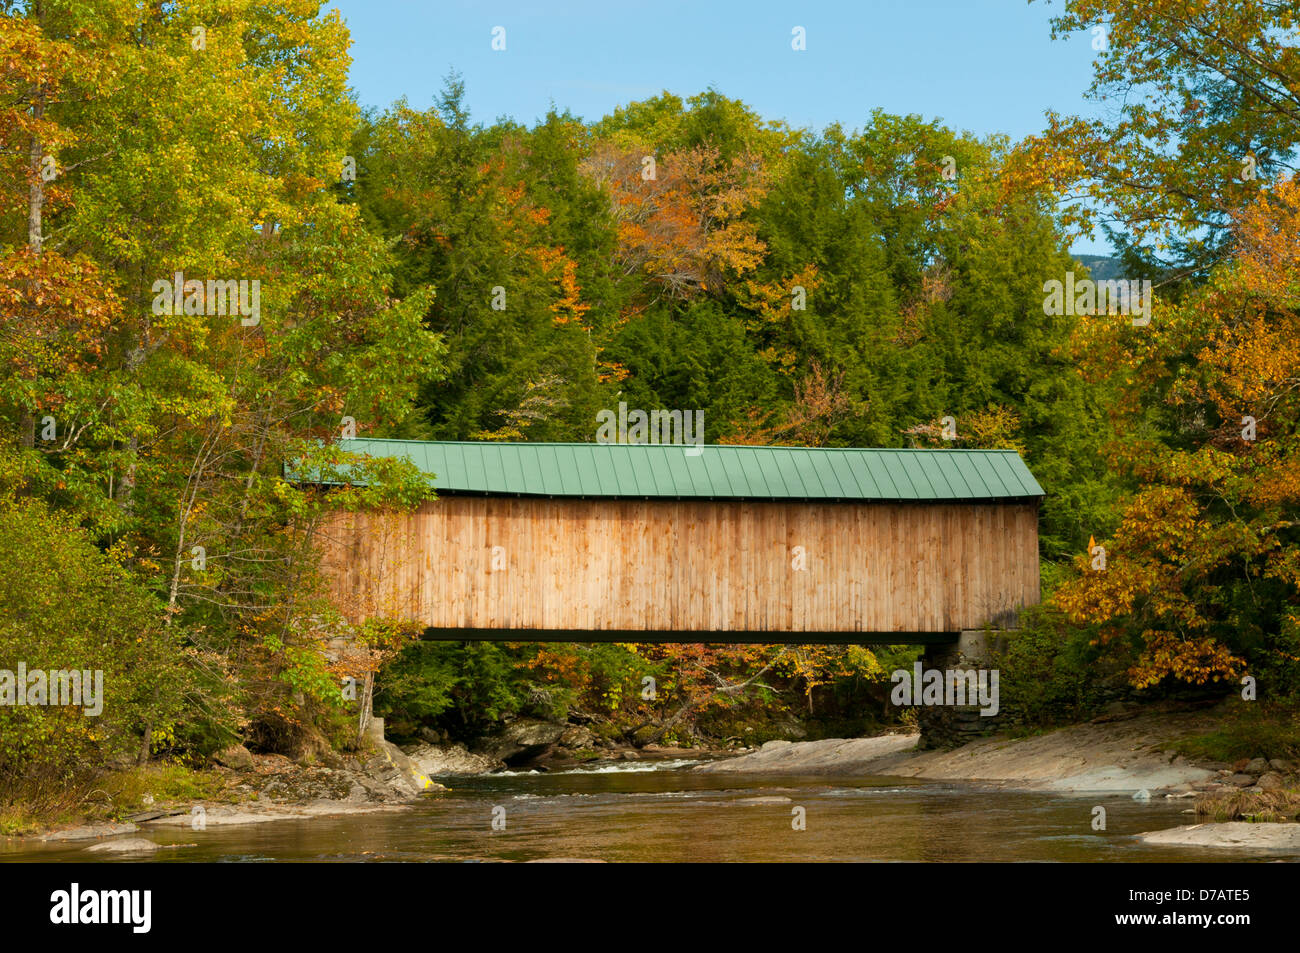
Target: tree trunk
[(36, 185), (145, 743), (723, 689), (367, 699), (35, 237), (126, 489)]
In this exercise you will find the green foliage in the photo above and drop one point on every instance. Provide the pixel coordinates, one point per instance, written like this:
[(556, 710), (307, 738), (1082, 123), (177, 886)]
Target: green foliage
[(1050, 674), (462, 687), (502, 224), (923, 293), (171, 430), (1274, 661), (67, 606), (465, 689), (1249, 730), (504, 282)]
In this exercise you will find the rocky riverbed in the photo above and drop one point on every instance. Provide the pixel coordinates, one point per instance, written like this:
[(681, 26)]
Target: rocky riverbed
[(530, 744), (1126, 754), (257, 789)]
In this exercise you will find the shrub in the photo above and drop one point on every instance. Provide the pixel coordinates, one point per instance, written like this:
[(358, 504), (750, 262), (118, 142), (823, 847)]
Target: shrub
[(68, 606), (1050, 674)]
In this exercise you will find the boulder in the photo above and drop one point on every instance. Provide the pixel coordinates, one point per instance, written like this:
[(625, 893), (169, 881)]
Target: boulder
[(452, 759), (521, 740), (1256, 766), (125, 845), (1240, 780), (830, 756), (1272, 781), (575, 738), (90, 830), (389, 766), (1119, 711), (235, 756), (1278, 765)]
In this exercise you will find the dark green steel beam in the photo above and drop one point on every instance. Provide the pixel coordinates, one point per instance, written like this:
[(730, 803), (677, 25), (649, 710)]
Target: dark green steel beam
[(748, 637)]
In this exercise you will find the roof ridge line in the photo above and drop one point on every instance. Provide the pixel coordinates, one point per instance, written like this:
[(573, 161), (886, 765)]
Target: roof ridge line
[(670, 446)]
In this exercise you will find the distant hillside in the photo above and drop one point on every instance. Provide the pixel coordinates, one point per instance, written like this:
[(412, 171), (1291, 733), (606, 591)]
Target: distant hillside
[(1101, 267)]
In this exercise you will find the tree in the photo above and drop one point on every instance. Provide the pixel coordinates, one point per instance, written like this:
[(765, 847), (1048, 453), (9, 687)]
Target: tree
[(1201, 579), (469, 208), (1209, 111), (174, 409), (71, 608)]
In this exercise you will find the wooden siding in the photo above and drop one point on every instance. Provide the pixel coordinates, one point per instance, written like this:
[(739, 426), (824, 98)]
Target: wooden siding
[(688, 566)]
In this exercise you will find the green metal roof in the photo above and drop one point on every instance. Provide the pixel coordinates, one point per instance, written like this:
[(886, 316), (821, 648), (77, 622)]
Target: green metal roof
[(714, 472)]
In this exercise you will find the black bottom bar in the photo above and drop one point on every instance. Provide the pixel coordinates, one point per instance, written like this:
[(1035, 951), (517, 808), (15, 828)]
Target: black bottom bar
[(252, 906)]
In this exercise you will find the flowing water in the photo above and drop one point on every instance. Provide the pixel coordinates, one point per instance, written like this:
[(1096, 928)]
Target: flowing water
[(666, 812)]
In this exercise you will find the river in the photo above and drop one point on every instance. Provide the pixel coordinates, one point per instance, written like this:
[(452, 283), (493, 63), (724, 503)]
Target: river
[(665, 812)]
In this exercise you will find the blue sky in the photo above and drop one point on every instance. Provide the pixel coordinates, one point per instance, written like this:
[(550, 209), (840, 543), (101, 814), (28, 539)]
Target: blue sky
[(982, 66)]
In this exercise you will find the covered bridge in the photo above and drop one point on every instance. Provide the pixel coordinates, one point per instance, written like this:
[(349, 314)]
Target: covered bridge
[(594, 542)]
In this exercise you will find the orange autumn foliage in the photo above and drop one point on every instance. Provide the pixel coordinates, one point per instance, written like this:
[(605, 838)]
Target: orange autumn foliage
[(683, 227), (1215, 504)]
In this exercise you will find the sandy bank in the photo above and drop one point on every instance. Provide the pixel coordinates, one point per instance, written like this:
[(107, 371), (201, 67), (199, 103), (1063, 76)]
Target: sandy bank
[(1230, 834), (1108, 756), (1113, 756), (246, 814)]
